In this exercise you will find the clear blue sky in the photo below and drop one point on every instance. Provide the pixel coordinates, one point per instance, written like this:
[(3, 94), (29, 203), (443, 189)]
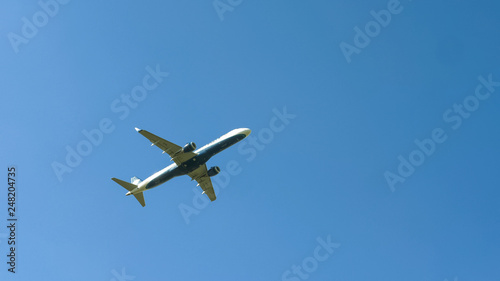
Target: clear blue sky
[(327, 193)]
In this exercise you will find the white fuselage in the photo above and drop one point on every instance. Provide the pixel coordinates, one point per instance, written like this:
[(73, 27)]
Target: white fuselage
[(203, 154)]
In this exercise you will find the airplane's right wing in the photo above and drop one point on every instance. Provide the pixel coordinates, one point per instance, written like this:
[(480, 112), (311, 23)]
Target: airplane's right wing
[(175, 151), (201, 176)]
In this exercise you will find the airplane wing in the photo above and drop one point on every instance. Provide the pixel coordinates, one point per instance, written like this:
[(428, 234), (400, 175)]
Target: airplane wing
[(200, 175), (175, 151)]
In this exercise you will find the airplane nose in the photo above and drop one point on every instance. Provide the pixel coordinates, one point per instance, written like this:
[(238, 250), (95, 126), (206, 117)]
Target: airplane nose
[(246, 131)]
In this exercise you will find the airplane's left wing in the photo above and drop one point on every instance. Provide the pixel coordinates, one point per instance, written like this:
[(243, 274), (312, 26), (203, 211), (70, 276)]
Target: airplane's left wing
[(175, 151), (201, 176)]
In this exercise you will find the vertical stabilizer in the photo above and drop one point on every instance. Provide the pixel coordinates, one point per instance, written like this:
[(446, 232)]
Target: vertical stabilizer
[(135, 180)]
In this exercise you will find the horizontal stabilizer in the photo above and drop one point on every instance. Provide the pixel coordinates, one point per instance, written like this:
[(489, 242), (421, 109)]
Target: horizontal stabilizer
[(129, 186), (140, 198)]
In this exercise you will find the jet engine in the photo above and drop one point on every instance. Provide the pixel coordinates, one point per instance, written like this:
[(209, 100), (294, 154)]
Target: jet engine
[(213, 171), (190, 146)]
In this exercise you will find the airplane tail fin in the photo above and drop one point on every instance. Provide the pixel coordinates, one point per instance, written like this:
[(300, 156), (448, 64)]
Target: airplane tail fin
[(135, 180), (130, 187)]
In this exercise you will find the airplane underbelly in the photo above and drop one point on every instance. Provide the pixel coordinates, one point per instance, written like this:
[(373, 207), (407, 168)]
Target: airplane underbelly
[(164, 177), (193, 164)]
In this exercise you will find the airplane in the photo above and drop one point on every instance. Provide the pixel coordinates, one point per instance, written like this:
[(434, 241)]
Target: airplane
[(187, 161)]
